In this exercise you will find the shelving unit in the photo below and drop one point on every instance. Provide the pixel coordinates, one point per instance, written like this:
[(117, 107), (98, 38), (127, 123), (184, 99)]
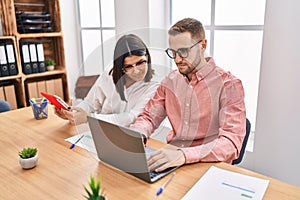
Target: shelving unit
[(25, 86)]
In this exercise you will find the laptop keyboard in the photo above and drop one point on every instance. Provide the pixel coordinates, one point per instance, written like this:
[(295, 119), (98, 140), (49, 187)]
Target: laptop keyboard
[(153, 174)]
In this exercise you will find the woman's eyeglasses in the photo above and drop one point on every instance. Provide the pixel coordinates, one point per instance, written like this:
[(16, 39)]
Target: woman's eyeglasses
[(130, 68), (182, 52)]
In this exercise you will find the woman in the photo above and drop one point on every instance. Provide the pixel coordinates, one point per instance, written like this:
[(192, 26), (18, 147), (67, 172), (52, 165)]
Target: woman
[(121, 94)]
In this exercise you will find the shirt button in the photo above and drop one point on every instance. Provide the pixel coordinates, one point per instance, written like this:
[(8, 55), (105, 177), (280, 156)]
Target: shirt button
[(191, 86), (186, 123), (182, 145), (187, 104)]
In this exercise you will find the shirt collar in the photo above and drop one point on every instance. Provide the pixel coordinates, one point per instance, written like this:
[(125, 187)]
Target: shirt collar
[(206, 69)]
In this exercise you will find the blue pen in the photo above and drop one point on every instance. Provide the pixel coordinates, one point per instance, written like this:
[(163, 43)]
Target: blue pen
[(160, 190), (73, 145)]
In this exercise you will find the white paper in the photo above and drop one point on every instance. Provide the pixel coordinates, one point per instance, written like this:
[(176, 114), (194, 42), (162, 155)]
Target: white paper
[(86, 142), (217, 184)]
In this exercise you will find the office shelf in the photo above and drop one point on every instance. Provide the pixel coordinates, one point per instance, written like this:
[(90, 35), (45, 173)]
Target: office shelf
[(26, 86)]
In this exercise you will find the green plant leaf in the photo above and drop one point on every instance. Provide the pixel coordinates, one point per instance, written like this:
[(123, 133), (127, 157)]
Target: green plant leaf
[(49, 62), (28, 152), (97, 189), (88, 192), (95, 186)]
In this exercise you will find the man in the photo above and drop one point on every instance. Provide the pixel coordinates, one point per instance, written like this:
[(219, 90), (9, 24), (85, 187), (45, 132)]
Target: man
[(204, 104)]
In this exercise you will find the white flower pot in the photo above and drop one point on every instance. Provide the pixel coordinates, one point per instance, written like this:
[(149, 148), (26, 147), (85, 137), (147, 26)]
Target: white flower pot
[(28, 163), (50, 68)]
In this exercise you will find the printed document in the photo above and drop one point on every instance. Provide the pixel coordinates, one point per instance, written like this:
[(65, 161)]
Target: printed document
[(218, 184), (86, 142)]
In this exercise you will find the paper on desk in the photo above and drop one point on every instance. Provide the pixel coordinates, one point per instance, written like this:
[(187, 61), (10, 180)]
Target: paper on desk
[(86, 142), (218, 184)]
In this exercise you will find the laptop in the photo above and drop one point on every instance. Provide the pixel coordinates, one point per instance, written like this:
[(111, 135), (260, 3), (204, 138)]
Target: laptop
[(124, 149)]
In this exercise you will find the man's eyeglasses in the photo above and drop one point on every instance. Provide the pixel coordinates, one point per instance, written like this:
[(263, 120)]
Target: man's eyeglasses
[(182, 52), (130, 68)]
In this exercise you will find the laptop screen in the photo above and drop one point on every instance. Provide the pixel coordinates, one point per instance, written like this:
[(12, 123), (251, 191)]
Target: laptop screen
[(120, 147)]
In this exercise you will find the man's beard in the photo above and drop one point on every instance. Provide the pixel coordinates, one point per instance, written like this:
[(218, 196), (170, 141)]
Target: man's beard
[(190, 70)]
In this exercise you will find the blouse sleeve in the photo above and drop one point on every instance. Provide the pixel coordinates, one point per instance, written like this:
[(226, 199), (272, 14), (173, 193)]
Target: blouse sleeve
[(127, 118), (94, 99), (153, 114)]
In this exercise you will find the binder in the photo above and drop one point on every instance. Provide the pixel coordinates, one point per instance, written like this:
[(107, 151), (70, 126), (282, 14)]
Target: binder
[(11, 58), (33, 58), (40, 57), (3, 62), (25, 59)]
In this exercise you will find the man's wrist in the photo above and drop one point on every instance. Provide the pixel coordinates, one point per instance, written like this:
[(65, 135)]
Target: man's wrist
[(183, 155)]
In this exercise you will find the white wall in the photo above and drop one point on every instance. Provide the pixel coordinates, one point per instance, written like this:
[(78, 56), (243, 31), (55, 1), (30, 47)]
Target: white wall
[(131, 15), (71, 41), (277, 138), (147, 19)]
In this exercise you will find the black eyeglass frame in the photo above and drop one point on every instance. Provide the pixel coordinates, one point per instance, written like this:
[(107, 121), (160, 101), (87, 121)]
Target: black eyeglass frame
[(129, 68), (187, 50)]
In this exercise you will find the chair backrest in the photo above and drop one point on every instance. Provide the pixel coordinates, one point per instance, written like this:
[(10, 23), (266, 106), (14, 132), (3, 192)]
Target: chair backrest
[(83, 85), (4, 106), (248, 128)]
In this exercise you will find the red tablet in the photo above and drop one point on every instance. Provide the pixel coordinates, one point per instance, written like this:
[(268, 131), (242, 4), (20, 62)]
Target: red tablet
[(56, 101)]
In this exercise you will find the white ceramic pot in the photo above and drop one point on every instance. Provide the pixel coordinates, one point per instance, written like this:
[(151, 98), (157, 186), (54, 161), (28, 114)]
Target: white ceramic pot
[(50, 68), (28, 163)]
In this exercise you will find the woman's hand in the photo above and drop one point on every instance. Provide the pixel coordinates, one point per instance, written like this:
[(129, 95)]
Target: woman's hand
[(62, 113), (79, 116), (74, 115)]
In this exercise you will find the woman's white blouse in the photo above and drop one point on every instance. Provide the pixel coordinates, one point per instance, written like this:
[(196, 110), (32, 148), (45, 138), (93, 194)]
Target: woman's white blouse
[(105, 102)]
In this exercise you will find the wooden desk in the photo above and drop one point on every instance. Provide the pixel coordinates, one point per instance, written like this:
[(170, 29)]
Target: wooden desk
[(61, 172)]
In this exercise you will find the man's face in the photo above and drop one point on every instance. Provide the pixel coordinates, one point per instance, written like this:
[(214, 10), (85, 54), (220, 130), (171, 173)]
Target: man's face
[(184, 41)]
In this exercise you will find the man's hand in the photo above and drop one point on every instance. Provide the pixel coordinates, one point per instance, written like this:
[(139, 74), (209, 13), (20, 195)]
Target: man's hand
[(165, 158)]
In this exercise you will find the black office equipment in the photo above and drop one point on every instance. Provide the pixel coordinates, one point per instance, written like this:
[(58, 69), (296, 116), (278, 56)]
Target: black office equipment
[(33, 58), (33, 21), (26, 65), (11, 59), (40, 57), (3, 62), (248, 130)]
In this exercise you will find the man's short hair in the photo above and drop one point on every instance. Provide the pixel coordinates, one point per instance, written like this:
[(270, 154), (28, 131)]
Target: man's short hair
[(191, 25)]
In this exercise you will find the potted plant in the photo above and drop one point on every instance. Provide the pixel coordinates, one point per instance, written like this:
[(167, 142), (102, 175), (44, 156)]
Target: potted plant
[(28, 158), (50, 63), (95, 193)]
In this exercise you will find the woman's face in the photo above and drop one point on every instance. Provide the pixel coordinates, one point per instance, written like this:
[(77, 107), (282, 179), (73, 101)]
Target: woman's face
[(135, 67)]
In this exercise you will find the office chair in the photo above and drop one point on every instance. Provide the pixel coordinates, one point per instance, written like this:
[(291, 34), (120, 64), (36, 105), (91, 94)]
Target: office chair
[(4, 106), (83, 85), (248, 128)]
